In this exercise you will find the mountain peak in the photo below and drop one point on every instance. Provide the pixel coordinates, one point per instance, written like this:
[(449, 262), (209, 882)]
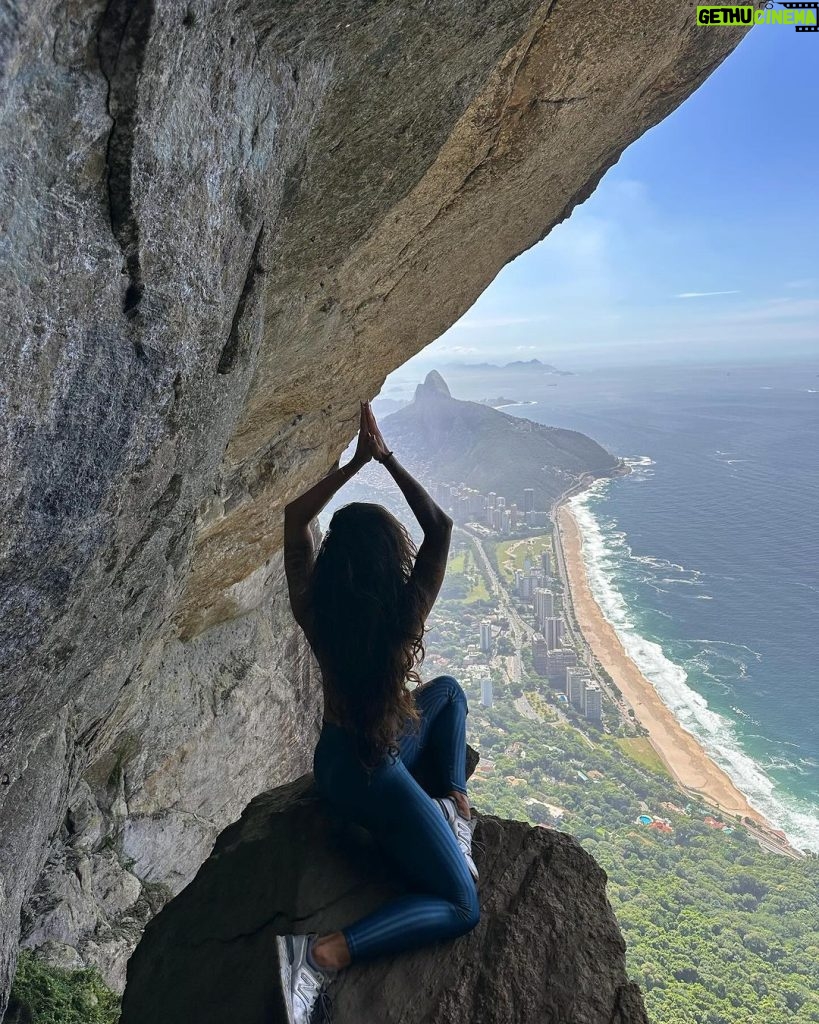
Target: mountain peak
[(453, 440), (434, 386)]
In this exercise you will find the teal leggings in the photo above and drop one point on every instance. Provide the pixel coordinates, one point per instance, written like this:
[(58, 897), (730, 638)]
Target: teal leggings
[(408, 823)]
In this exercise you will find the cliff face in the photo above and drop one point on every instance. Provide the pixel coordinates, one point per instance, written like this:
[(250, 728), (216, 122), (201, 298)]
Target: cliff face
[(222, 224), (547, 947)]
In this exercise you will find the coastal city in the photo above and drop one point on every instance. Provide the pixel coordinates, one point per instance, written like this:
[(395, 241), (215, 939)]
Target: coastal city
[(505, 627), (409, 502), (529, 632)]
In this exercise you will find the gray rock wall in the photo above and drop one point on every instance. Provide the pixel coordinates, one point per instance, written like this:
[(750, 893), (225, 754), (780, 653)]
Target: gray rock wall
[(221, 223), (231, 712)]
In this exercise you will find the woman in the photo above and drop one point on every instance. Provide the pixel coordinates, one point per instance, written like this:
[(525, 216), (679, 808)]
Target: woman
[(362, 602)]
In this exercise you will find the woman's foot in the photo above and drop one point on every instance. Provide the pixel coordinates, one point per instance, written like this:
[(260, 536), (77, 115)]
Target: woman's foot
[(330, 952), (462, 803)]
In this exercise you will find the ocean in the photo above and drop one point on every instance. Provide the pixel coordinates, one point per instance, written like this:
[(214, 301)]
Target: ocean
[(704, 558)]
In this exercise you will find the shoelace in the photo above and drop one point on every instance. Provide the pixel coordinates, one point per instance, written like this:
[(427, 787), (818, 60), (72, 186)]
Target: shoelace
[(463, 831), (463, 828), (323, 1012)]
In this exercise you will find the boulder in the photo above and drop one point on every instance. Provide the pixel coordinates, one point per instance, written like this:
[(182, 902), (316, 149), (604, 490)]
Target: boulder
[(547, 950)]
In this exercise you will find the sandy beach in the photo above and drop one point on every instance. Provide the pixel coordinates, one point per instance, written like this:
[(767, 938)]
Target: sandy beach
[(687, 761)]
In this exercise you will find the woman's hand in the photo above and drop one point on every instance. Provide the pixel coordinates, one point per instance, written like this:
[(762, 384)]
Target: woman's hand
[(363, 449), (378, 446)]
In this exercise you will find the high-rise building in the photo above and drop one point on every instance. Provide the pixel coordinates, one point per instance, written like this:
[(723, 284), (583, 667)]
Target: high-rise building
[(556, 664), (539, 654), (576, 679), (553, 632), (528, 499), (486, 636), (486, 693), (544, 606), (500, 501), (477, 504), (527, 582), (506, 523), (593, 703), (491, 499), (546, 562)]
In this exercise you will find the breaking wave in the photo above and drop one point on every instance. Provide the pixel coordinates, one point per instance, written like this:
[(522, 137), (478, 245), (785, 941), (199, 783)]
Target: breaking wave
[(609, 560)]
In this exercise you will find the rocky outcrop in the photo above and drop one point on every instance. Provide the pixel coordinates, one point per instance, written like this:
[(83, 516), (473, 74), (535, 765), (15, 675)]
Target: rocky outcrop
[(223, 223), (447, 440), (547, 947)]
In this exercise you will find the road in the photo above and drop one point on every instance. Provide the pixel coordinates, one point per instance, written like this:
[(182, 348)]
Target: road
[(519, 626), (520, 630), (524, 708)]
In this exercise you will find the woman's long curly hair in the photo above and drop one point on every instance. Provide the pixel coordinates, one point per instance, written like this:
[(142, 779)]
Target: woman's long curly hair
[(368, 624)]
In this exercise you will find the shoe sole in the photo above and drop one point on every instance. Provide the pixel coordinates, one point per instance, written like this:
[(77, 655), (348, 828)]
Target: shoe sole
[(282, 1002), (472, 825)]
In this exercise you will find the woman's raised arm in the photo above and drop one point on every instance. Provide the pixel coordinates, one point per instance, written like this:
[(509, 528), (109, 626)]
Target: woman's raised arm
[(430, 564), (299, 514)]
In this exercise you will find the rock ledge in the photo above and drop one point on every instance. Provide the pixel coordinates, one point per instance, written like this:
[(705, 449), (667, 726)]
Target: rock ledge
[(548, 949)]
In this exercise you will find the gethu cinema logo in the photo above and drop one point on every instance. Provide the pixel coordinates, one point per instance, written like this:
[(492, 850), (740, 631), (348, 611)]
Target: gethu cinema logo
[(801, 15)]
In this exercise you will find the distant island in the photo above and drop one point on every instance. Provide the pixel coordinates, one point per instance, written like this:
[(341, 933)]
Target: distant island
[(500, 402), (518, 365)]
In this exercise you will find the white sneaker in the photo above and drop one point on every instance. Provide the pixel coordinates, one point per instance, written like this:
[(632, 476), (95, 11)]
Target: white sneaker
[(462, 827), (303, 988)]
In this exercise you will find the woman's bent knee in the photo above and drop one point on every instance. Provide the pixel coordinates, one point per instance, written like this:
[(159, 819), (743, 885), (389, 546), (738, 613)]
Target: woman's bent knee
[(470, 914), (451, 685)]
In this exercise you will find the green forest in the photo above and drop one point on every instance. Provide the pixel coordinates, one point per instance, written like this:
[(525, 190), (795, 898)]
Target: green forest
[(717, 931)]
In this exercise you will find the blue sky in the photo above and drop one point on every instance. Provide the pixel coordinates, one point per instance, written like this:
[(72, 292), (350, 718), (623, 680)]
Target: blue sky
[(701, 244)]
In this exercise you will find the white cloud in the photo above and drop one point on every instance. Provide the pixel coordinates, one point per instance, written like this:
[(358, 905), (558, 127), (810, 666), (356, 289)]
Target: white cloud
[(702, 295)]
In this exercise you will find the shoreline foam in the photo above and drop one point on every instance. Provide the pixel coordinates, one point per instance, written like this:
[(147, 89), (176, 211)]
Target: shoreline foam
[(683, 755)]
